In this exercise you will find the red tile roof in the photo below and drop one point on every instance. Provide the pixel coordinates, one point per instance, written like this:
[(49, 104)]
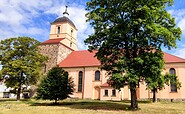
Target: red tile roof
[(105, 85), (53, 41), (80, 59), (172, 59), (85, 58)]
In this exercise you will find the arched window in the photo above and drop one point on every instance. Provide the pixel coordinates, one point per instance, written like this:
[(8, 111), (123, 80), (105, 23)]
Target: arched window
[(80, 78), (97, 75), (172, 71), (58, 30), (173, 85)]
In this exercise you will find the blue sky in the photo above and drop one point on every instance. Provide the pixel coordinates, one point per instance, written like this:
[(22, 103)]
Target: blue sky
[(32, 18)]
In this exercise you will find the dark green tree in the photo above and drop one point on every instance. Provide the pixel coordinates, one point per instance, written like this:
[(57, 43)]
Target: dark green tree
[(155, 80), (55, 86), (21, 62), (125, 31)]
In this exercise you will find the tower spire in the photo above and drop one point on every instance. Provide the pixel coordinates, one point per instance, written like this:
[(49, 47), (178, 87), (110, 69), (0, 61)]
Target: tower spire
[(66, 13)]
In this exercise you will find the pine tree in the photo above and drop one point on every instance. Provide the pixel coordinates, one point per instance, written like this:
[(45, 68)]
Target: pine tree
[(55, 86)]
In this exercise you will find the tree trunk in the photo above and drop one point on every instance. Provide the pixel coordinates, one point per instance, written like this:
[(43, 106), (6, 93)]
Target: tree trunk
[(134, 103), (55, 101), (154, 95), (19, 94), (19, 89)]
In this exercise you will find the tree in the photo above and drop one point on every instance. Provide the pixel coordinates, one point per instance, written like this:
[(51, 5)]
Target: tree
[(155, 80), (154, 65), (21, 62), (125, 31), (55, 86)]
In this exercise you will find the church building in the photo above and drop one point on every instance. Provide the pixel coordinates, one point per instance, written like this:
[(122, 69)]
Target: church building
[(90, 81)]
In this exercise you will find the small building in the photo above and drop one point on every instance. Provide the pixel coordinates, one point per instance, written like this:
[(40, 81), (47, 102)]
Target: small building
[(4, 91)]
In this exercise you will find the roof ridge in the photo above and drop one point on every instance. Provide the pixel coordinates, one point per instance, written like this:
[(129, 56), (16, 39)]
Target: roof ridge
[(174, 55), (51, 41)]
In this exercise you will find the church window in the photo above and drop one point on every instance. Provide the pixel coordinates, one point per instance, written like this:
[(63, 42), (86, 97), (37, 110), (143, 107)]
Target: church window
[(106, 93), (71, 44), (97, 75), (113, 92), (71, 32), (80, 78), (173, 86), (58, 30)]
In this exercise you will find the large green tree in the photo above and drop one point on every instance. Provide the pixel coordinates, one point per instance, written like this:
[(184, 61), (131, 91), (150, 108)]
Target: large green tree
[(55, 86), (21, 62), (126, 31)]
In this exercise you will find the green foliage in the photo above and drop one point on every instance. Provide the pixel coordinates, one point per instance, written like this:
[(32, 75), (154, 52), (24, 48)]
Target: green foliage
[(172, 79), (153, 67), (21, 62), (127, 32), (55, 86)]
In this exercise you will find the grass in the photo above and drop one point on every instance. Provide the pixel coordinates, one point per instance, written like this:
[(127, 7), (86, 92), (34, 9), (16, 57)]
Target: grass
[(10, 106)]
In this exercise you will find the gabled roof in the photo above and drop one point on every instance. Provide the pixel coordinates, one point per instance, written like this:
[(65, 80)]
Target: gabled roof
[(172, 59), (53, 41), (80, 59)]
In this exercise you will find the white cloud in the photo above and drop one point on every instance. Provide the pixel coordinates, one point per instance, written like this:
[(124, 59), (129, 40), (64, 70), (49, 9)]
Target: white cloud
[(180, 52), (179, 15), (78, 17), (181, 24), (19, 17)]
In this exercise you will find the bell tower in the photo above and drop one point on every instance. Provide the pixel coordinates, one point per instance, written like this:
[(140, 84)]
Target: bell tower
[(61, 42), (64, 28)]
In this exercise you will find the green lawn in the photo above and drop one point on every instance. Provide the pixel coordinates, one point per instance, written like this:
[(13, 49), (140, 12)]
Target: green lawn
[(8, 106)]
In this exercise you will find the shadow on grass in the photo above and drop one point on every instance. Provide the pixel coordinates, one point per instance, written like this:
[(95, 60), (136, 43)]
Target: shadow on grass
[(13, 99), (91, 105), (140, 101), (6, 99)]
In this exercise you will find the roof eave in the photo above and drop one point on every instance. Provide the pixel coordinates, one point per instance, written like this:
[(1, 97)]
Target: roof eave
[(79, 66), (175, 62)]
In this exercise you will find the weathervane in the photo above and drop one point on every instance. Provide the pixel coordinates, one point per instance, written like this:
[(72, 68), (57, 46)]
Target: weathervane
[(66, 13)]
